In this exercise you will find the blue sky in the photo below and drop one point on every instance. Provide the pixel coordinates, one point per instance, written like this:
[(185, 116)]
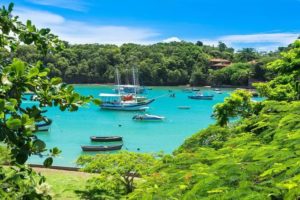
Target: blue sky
[(262, 24)]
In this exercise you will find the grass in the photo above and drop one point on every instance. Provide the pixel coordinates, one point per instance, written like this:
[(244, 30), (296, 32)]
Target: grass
[(64, 183)]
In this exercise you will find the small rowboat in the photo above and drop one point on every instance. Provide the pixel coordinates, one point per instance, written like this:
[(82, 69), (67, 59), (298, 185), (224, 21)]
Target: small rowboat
[(200, 96), (147, 117), (44, 126), (184, 107), (106, 138), (195, 89), (102, 148)]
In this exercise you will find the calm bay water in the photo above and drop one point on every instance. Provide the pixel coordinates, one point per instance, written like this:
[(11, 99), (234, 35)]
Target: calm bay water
[(71, 130)]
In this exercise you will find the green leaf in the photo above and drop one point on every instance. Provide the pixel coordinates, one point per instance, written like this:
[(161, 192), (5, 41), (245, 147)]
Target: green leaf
[(28, 24), (18, 66), (97, 102), (39, 145), (21, 158), (14, 124), (55, 151), (43, 74), (56, 81), (2, 105), (44, 31), (33, 72), (48, 162), (10, 7)]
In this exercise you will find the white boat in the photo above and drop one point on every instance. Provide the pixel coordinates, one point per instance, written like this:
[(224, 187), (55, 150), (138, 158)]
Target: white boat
[(123, 101), (115, 102), (147, 117), (44, 125)]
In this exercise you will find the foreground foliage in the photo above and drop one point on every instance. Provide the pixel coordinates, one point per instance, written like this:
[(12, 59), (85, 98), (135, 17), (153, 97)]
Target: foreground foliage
[(18, 121), (256, 158), (117, 173), (286, 85)]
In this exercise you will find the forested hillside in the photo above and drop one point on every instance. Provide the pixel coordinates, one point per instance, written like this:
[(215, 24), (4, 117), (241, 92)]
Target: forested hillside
[(176, 63)]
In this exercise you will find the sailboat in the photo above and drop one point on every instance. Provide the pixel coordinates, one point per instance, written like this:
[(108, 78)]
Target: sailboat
[(124, 102), (131, 89)]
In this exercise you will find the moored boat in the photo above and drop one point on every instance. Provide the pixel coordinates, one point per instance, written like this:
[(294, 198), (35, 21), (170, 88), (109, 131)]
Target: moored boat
[(184, 107), (115, 102), (187, 90), (44, 125), (102, 148), (201, 97), (106, 138), (125, 102), (147, 117)]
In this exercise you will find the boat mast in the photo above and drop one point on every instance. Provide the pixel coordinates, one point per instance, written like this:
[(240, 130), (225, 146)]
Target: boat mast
[(118, 81), (134, 81)]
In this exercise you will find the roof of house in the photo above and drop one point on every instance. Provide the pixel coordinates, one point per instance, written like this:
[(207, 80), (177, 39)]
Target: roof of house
[(219, 60), (220, 65)]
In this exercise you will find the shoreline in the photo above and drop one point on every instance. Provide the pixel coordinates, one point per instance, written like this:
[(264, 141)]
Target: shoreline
[(173, 86)]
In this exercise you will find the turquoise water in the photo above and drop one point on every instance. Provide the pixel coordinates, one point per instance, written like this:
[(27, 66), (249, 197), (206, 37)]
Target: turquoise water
[(71, 130)]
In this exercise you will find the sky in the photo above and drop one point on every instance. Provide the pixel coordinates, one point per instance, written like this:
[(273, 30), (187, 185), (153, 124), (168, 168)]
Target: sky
[(261, 24)]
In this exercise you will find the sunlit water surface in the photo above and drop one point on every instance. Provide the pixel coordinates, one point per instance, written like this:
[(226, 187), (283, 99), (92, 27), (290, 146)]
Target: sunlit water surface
[(70, 130)]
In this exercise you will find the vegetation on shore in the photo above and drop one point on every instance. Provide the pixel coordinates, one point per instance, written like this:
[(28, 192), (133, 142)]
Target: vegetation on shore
[(175, 63)]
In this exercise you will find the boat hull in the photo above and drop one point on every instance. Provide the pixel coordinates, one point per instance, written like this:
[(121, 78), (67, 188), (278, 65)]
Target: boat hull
[(147, 118), (43, 127), (139, 106), (201, 97), (101, 148), (106, 139)]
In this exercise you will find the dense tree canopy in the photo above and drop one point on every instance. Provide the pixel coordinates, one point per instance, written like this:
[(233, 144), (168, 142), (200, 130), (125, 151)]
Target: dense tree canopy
[(175, 63)]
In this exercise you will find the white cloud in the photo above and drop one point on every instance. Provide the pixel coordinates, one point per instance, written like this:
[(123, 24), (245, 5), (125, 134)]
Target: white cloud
[(82, 32), (77, 5), (172, 39), (41, 19), (281, 38), (260, 41)]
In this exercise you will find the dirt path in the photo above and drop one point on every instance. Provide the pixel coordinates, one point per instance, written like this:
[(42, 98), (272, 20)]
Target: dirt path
[(62, 172)]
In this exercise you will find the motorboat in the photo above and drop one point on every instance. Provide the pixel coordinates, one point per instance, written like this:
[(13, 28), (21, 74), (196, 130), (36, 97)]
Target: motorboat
[(200, 96), (44, 125), (106, 138), (147, 117)]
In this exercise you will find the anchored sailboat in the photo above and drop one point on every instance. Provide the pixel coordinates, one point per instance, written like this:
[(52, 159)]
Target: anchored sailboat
[(124, 102)]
